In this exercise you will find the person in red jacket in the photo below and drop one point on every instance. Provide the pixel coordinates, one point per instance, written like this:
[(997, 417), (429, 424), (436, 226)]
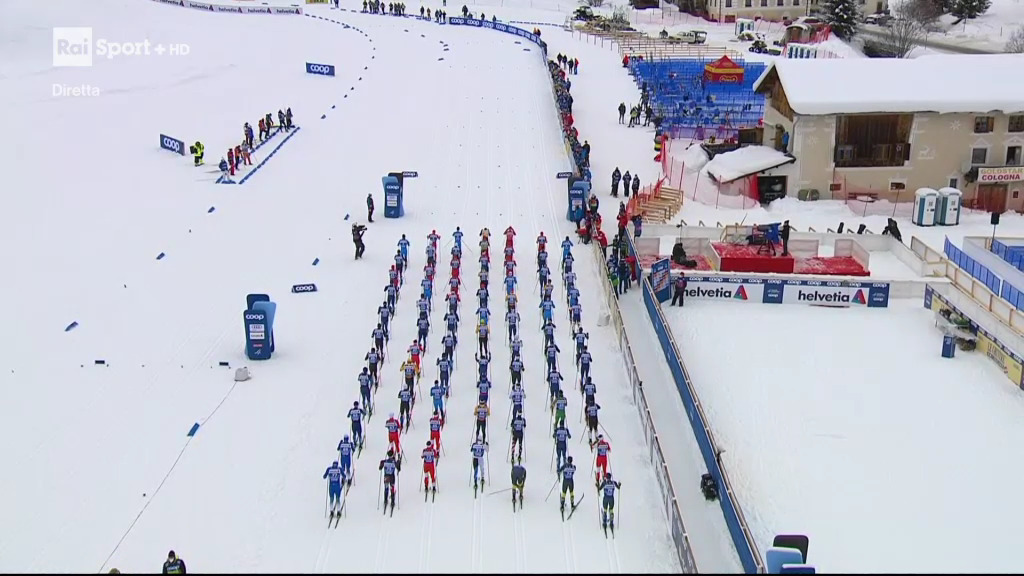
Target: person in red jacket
[(631, 260), (509, 235), (602, 241), (231, 160)]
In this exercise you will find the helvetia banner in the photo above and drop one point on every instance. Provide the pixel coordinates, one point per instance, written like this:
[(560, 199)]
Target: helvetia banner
[(808, 292)]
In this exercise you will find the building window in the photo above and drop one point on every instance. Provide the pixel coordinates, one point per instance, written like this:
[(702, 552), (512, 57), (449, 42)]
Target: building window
[(979, 155), (764, 3), (1013, 155), (872, 140), (953, 182), (897, 185), (984, 124), (1016, 193), (746, 3), (728, 3), (778, 2), (1016, 123), (796, 2)]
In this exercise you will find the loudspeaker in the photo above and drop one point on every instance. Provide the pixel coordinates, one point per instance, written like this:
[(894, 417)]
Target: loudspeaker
[(840, 229), (861, 228), (995, 218)]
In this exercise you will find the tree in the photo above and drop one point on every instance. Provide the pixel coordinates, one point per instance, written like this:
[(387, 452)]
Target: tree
[(843, 16), (924, 12), (1015, 44), (903, 34), (966, 9)]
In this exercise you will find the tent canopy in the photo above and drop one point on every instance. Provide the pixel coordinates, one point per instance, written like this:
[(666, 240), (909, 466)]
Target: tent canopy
[(724, 70)]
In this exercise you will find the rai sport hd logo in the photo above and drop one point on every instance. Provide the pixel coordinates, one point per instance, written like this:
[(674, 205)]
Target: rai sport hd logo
[(76, 47)]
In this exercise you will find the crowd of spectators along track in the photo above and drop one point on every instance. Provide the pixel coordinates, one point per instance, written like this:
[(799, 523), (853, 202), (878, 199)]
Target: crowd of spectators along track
[(563, 98)]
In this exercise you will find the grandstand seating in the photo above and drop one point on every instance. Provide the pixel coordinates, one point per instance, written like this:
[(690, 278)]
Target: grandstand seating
[(693, 108)]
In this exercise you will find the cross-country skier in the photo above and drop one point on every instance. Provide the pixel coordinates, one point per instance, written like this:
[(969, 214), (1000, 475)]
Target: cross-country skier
[(478, 450), (394, 428), (452, 298), (384, 312), (409, 372), (547, 307), (511, 300), (453, 284), (567, 471), (429, 467), (431, 251), (483, 364), (436, 424), (560, 404), (485, 263), (572, 295), (485, 246), (428, 274), (400, 264), (510, 234), (543, 274), (510, 254), (481, 411), (415, 349), (518, 428), (433, 237), (405, 407), (378, 339), (542, 241), (510, 284), (561, 436), (393, 276), (390, 467), (512, 319), (601, 449), (423, 304), (516, 346), (444, 369), (437, 393), (548, 329), (364, 387), (392, 295), (551, 355), (569, 277), (591, 411), (546, 290), (483, 386), (510, 266), (554, 385), (608, 487), (335, 476), (516, 369), (403, 248), (356, 416), (372, 362), (588, 389), (483, 315), (542, 259), (345, 450), (457, 268), (518, 483), (575, 314), (457, 235), (580, 337), (566, 247), (585, 360), (482, 330), (484, 277), (422, 331), (482, 295)]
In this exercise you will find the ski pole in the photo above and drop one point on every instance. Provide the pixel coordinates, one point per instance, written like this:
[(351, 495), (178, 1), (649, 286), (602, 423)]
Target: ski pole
[(493, 492), (551, 490), (380, 479), (605, 431), (326, 497)]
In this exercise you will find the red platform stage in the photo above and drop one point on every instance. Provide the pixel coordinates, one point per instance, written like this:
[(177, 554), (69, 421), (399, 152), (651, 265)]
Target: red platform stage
[(744, 258), (703, 264)]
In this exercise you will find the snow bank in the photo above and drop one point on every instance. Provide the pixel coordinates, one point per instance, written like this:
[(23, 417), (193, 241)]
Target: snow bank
[(744, 162)]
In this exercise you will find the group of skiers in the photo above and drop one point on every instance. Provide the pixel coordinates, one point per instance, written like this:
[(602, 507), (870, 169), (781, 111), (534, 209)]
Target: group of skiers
[(571, 65), (643, 108), (241, 154), (377, 7), (340, 473)]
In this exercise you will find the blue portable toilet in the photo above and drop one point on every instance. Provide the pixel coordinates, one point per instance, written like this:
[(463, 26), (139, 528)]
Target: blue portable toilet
[(926, 202), (579, 193), (394, 205), (948, 213)]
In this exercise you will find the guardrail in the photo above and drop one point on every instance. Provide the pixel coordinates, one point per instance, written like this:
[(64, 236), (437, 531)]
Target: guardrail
[(661, 472), (990, 301)]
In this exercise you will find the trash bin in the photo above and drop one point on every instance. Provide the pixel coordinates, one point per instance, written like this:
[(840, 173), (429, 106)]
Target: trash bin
[(948, 346)]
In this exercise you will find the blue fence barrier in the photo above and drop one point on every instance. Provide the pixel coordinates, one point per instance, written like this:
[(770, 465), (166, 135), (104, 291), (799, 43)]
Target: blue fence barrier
[(976, 270), (738, 530)]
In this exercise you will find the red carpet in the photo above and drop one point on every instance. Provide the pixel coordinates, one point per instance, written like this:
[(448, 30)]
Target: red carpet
[(743, 258), (834, 266)]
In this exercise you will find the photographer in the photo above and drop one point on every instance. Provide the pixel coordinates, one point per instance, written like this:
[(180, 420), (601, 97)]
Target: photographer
[(357, 239)]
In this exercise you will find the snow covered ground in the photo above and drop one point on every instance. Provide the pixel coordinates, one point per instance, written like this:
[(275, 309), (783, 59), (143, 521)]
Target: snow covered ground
[(991, 30), (101, 473), (847, 425)]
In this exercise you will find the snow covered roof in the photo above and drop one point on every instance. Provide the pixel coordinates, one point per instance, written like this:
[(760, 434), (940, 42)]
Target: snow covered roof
[(745, 161), (943, 83)]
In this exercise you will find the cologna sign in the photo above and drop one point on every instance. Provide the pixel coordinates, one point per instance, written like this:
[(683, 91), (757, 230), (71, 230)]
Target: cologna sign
[(808, 292)]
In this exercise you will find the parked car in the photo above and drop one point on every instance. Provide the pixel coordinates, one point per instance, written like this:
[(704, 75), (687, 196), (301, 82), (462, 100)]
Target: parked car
[(583, 13), (691, 37)]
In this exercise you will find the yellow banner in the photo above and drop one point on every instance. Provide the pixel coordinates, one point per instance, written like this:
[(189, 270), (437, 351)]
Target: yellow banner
[(987, 344)]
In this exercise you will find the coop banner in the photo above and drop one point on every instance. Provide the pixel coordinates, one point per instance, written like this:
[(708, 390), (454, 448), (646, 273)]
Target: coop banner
[(807, 292)]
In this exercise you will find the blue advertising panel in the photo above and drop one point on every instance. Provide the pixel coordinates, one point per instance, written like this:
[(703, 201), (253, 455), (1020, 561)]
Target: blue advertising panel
[(269, 309), (319, 69), (172, 144), (928, 297), (878, 295), (661, 279), (393, 207), (579, 193), (257, 335), (772, 292)]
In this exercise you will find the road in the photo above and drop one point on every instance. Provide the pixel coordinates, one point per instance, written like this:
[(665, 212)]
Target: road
[(879, 33)]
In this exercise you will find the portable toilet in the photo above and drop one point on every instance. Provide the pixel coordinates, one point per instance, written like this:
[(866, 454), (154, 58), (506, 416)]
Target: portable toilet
[(742, 25), (926, 202), (948, 212)]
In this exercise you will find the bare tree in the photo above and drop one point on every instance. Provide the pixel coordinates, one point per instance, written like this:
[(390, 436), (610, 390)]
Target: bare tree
[(924, 12), (903, 34), (1015, 44)]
